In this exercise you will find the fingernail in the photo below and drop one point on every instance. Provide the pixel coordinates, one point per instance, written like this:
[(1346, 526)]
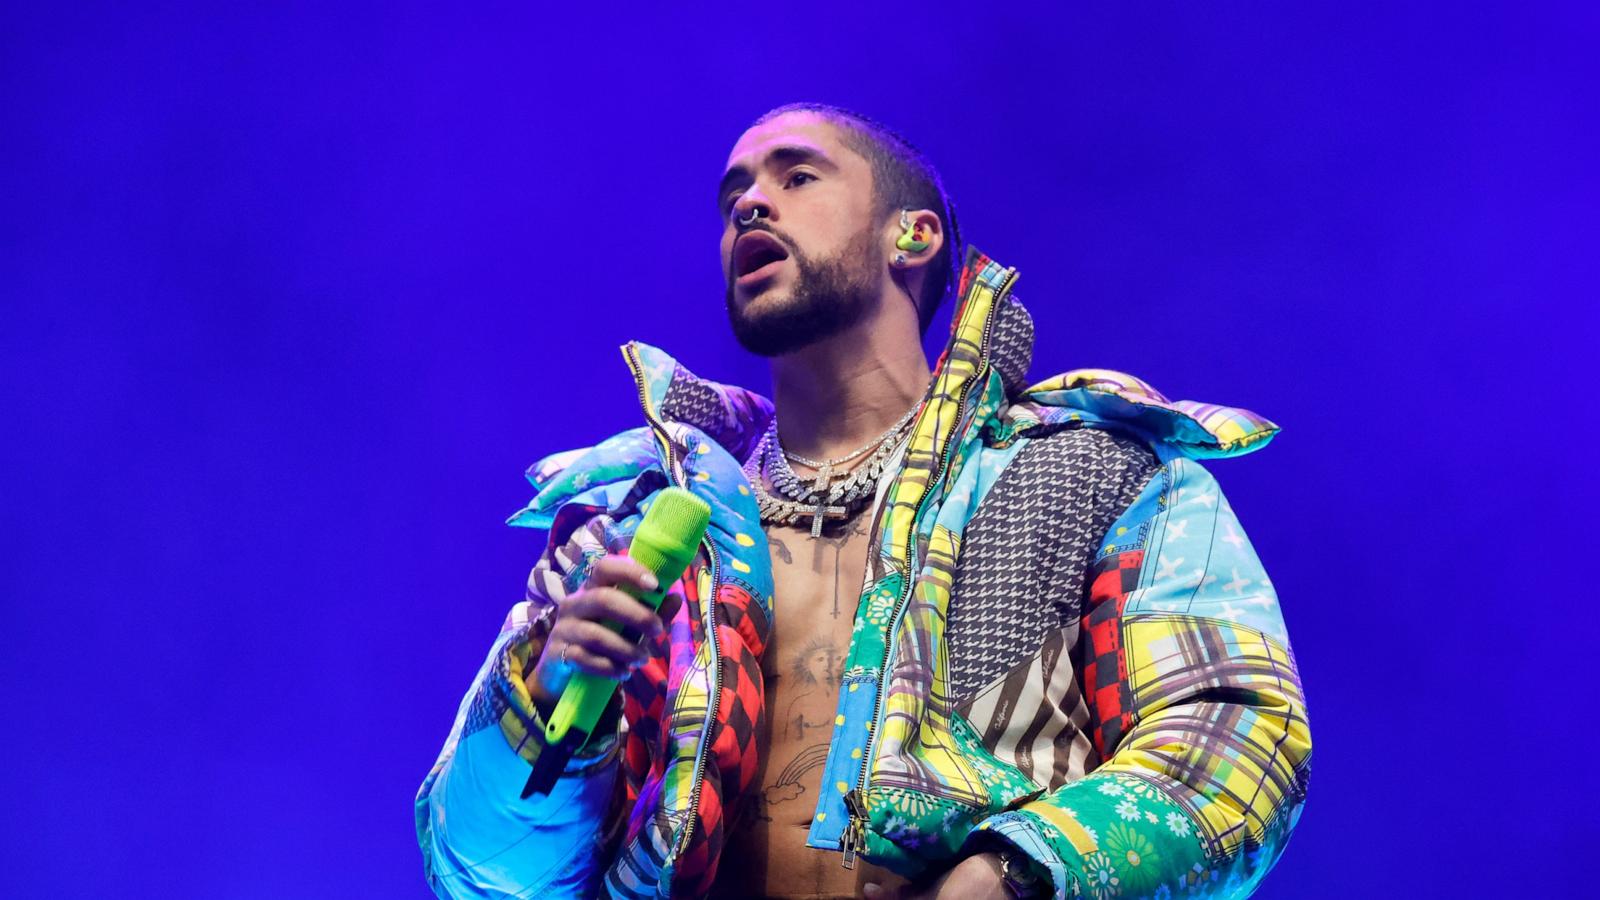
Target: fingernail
[(650, 581)]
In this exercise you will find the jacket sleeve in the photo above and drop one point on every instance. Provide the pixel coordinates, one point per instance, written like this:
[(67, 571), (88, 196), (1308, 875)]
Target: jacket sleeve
[(478, 837), (1195, 709)]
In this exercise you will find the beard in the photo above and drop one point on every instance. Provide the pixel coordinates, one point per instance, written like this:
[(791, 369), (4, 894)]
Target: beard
[(830, 296)]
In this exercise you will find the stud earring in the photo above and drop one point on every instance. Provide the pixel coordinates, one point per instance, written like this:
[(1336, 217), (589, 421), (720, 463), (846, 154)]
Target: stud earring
[(899, 260), (914, 238)]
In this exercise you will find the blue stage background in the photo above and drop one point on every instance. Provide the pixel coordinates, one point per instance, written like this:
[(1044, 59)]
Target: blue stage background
[(293, 295)]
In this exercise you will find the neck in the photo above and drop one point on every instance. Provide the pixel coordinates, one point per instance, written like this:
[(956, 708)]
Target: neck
[(841, 393)]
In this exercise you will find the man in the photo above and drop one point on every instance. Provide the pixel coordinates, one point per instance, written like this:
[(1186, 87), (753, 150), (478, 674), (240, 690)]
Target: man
[(948, 636)]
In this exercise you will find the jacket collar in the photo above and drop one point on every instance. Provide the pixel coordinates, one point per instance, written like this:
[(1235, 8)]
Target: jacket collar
[(735, 417)]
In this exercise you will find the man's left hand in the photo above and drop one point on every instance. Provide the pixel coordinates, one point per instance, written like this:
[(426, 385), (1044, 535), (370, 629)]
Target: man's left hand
[(977, 876)]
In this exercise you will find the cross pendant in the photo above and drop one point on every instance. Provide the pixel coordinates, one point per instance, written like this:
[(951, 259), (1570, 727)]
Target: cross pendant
[(824, 477), (823, 511)]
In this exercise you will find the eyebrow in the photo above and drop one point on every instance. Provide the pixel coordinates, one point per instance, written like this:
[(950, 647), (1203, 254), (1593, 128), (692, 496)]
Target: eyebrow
[(780, 157)]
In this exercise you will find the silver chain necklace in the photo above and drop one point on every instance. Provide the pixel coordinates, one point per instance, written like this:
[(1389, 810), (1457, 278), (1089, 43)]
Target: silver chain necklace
[(823, 500), (825, 467)]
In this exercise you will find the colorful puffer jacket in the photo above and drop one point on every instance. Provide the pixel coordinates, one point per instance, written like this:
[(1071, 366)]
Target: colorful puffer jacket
[(1175, 675)]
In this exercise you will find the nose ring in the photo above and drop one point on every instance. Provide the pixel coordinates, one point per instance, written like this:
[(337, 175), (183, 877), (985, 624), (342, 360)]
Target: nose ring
[(758, 212)]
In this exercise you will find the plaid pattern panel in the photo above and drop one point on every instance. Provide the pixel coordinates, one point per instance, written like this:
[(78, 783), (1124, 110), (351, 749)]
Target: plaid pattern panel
[(1237, 762), (917, 773)]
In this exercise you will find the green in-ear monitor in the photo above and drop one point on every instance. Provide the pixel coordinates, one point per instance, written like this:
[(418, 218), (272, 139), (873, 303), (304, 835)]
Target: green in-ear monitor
[(915, 238)]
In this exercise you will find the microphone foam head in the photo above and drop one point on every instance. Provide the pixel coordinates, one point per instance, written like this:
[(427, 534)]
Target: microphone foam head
[(668, 537)]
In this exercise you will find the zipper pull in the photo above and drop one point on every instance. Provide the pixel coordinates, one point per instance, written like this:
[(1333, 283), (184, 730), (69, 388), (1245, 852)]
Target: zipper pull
[(855, 836)]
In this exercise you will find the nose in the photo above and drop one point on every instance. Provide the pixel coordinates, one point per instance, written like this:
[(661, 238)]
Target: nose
[(750, 206)]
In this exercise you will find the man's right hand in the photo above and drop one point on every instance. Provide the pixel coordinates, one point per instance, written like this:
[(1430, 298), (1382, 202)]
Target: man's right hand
[(581, 636)]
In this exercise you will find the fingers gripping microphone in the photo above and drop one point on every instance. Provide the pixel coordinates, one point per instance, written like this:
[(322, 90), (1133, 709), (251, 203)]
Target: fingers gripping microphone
[(665, 543)]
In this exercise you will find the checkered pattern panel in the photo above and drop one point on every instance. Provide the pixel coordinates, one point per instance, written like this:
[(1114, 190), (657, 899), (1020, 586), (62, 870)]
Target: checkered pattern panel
[(740, 710), (1011, 345), (1025, 556), (696, 868), (1105, 667), (645, 707), (733, 760)]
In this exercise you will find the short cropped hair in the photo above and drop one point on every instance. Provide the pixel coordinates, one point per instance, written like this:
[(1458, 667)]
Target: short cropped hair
[(902, 178)]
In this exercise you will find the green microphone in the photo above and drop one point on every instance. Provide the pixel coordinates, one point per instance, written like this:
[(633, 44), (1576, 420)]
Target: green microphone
[(665, 543)]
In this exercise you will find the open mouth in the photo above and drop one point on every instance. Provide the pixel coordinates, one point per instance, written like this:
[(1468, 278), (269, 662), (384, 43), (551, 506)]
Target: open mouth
[(755, 256)]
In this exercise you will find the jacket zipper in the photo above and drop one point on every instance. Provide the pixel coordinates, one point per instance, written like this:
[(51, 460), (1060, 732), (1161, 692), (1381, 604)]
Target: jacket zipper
[(854, 838), (697, 776)]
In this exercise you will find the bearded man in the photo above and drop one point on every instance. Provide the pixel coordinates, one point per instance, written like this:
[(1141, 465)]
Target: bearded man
[(949, 635)]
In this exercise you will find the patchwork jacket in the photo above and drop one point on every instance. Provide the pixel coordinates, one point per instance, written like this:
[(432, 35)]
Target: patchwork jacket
[(1064, 642)]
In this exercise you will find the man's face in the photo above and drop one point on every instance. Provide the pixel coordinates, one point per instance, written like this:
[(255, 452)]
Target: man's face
[(814, 264)]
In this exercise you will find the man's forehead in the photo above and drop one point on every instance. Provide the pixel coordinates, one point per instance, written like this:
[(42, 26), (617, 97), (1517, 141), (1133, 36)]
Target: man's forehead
[(800, 130)]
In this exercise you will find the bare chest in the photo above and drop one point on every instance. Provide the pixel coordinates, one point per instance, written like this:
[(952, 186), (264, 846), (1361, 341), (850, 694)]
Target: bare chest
[(816, 583)]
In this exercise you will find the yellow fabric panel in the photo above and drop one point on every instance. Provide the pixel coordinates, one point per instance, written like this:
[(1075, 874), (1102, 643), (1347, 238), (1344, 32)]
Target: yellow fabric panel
[(1234, 761), (1076, 834)]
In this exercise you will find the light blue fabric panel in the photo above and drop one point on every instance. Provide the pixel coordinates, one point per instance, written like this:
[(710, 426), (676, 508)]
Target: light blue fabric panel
[(1197, 558), (858, 699), (493, 843), (658, 367), (1018, 829)]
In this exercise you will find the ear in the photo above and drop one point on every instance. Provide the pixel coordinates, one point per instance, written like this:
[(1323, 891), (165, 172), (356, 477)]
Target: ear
[(925, 228)]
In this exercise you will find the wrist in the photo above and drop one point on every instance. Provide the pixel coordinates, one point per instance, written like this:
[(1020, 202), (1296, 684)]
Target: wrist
[(1019, 875)]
